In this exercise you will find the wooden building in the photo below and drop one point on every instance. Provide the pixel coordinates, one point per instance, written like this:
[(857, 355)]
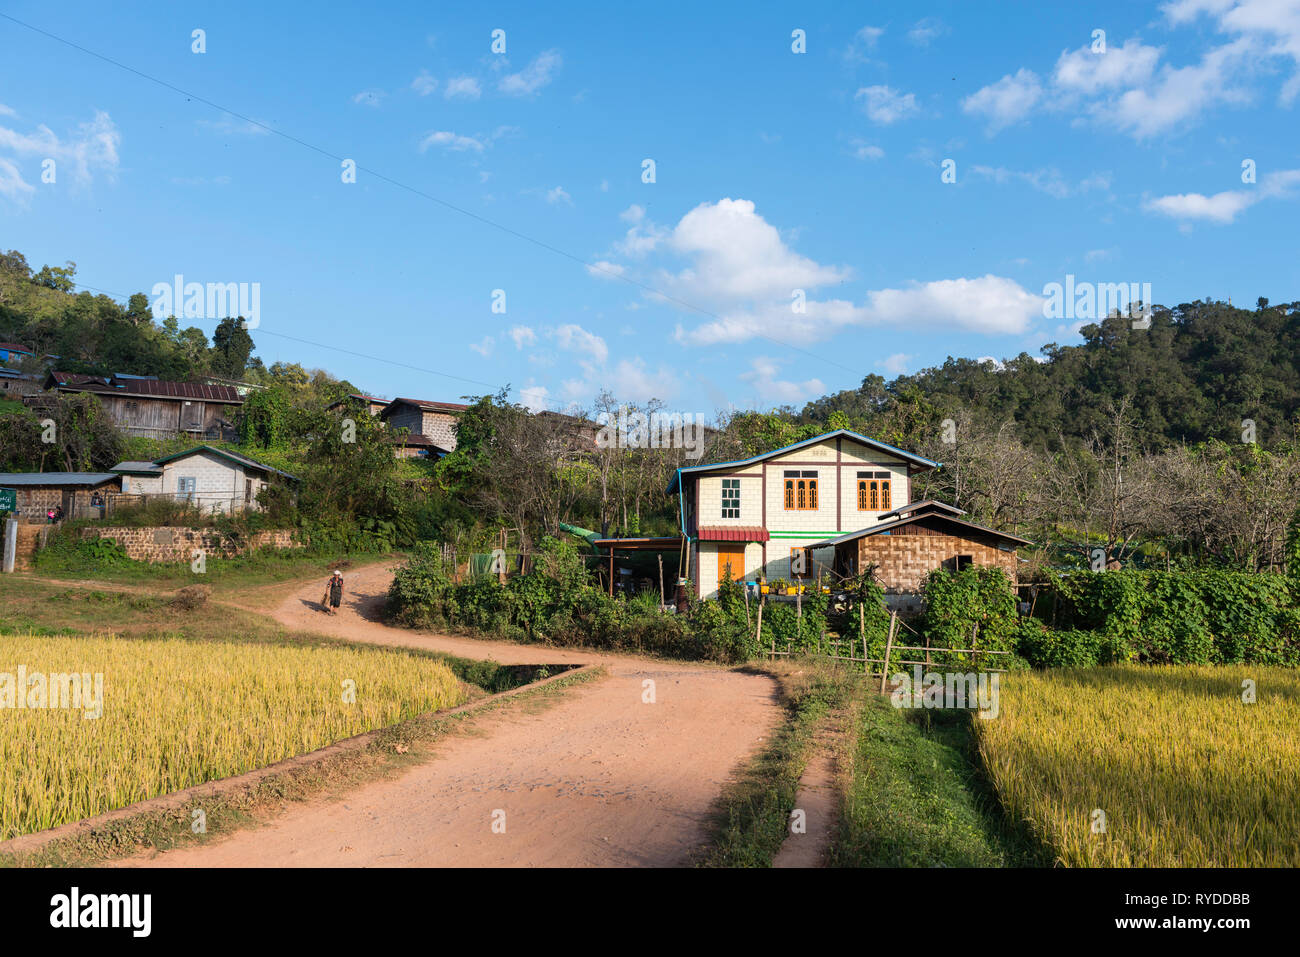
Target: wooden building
[(356, 400), (912, 541), (436, 421), (155, 409)]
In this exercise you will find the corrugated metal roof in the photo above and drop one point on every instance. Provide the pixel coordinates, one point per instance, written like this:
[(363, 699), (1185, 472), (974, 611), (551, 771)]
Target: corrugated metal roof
[(30, 479), (225, 453), (429, 405), (734, 533), (139, 468), (148, 388), (937, 516)]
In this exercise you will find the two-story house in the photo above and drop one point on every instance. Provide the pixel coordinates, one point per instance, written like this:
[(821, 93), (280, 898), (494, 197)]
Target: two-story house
[(748, 518)]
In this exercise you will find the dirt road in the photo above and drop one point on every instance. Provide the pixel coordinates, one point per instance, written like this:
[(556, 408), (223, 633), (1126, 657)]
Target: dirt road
[(600, 778)]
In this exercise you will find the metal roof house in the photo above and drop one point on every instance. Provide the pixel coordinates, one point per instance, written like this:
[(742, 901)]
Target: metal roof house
[(214, 479), (154, 408), (38, 492)]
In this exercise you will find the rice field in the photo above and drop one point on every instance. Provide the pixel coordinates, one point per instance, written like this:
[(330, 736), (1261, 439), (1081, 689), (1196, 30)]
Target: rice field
[(1133, 766), (176, 713)]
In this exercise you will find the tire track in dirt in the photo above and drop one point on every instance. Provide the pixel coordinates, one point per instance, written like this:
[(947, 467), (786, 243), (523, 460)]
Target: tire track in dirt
[(597, 779)]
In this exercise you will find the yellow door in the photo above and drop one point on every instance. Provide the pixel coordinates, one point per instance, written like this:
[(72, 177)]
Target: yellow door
[(731, 558)]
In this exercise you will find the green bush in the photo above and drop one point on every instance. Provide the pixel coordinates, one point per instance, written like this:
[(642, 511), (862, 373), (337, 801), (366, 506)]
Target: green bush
[(976, 605), (1194, 617)]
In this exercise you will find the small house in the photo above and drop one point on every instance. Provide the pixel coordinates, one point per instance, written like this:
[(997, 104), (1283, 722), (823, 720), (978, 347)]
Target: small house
[(153, 408), (74, 492), (436, 421), (216, 480)]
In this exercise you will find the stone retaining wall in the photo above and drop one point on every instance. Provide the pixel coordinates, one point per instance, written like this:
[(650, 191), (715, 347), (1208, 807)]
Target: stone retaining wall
[(159, 544)]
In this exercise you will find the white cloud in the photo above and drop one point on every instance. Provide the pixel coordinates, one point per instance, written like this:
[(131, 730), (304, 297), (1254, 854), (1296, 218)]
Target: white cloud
[(369, 97), (462, 88), (533, 77), (885, 105), (1224, 207), (1007, 101), (424, 84), (1178, 95), (633, 214), (895, 364), (866, 151), (763, 376), (574, 338), (522, 336), (484, 347), (862, 43), (92, 148), (606, 270), (534, 397), (7, 110), (1046, 180), (12, 184), (738, 255), (988, 304), (451, 141), (925, 30), (558, 195), (1082, 71), (1271, 26)]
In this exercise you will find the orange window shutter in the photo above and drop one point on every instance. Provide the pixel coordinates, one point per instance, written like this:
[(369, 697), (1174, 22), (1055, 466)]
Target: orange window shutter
[(884, 496), (812, 493), (862, 496), (789, 493), (875, 497)]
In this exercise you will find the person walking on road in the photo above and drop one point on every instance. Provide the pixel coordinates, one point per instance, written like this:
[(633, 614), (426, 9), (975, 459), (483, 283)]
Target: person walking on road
[(333, 593)]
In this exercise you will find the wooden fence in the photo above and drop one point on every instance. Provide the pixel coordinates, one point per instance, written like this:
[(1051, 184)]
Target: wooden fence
[(846, 649)]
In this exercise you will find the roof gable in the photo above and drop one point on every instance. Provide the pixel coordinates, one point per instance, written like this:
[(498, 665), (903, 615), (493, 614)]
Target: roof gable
[(920, 461), (225, 454)]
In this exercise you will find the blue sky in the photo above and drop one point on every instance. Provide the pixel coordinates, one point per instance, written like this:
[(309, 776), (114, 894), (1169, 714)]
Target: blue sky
[(775, 171)]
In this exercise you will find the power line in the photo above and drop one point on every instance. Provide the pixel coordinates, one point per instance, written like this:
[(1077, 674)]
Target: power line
[(542, 244)]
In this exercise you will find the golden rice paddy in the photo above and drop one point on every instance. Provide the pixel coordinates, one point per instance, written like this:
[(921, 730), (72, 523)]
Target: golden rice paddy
[(1152, 766), (178, 713)]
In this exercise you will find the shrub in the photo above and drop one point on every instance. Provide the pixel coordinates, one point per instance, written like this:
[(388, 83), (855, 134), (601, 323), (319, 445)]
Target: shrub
[(1195, 617)]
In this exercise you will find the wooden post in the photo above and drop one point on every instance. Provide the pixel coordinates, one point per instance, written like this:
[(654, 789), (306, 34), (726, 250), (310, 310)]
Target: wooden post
[(748, 619), (611, 571), (889, 647), (758, 632), (663, 600)]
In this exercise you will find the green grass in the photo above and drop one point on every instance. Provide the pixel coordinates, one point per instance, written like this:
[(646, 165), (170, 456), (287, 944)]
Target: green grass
[(753, 813), (916, 796), (69, 560)]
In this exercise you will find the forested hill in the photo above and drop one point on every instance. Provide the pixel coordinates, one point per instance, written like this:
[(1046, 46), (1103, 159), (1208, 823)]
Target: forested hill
[(93, 333), (1195, 374)]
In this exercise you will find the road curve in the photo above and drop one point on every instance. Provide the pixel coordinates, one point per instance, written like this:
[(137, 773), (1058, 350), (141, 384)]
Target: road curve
[(600, 778)]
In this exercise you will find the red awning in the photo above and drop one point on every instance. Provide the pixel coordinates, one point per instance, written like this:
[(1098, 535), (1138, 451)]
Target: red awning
[(735, 533)]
